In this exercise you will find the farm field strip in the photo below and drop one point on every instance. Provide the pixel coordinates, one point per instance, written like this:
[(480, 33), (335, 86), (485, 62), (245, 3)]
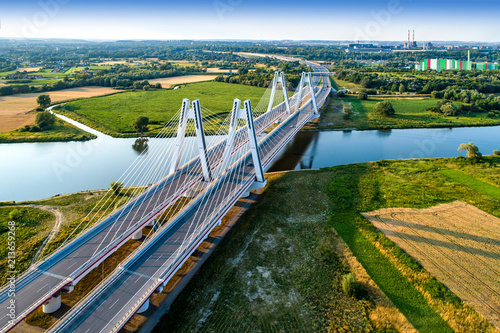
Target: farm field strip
[(172, 81), (458, 243), (13, 109), (472, 182)]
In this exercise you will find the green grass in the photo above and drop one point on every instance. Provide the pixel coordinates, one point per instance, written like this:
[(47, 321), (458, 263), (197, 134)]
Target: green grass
[(31, 229), (289, 234), (114, 114), (410, 113), (472, 183), (61, 132), (276, 271), (348, 85)]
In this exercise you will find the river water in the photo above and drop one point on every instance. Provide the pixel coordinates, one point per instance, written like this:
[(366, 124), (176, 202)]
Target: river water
[(32, 171)]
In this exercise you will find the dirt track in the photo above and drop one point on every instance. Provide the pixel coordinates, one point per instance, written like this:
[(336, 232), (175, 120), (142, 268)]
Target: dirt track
[(458, 243)]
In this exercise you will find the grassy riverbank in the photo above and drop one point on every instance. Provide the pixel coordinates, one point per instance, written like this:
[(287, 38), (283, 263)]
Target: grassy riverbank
[(115, 114), (278, 268), (410, 113), (61, 132)]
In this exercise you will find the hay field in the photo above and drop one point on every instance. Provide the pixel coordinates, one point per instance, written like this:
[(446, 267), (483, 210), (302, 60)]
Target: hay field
[(218, 70), (13, 109), (458, 243), (172, 81)]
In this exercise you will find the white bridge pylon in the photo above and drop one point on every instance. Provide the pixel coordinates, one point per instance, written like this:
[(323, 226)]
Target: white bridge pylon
[(279, 78), (245, 114), (306, 79), (191, 113)]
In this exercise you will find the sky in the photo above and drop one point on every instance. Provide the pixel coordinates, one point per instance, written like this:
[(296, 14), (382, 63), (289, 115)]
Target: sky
[(362, 20)]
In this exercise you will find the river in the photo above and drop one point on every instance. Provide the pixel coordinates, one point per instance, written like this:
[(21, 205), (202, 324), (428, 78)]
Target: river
[(32, 171)]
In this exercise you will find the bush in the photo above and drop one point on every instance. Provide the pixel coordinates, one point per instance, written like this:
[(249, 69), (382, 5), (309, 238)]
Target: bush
[(15, 215), (45, 120), (340, 93), (496, 152), (362, 96), (350, 285), (449, 109), (141, 124), (34, 128), (117, 187), (472, 152), (384, 109)]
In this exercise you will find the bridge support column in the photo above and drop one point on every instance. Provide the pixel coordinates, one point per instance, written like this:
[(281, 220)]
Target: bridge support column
[(255, 186), (137, 235), (53, 304), (195, 114), (307, 79), (144, 307), (279, 78)]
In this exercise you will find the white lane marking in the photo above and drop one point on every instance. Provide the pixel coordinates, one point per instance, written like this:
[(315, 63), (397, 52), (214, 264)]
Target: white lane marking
[(114, 303), (55, 275)]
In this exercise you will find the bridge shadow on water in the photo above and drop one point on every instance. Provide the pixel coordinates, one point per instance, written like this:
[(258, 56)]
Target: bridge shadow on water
[(294, 153)]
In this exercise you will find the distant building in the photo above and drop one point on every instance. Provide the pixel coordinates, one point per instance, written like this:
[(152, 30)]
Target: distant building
[(367, 48), (25, 76), (441, 64)]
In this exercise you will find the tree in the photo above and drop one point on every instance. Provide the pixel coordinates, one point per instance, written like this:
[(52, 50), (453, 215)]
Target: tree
[(242, 71), (45, 120), (44, 101), (384, 109), (350, 285), (472, 151), (448, 109), (117, 187), (141, 124), (402, 88), (366, 82), (362, 96)]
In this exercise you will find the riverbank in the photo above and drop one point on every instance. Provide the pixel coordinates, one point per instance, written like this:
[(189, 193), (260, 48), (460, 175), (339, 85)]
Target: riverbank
[(60, 132), (279, 268), (410, 113)]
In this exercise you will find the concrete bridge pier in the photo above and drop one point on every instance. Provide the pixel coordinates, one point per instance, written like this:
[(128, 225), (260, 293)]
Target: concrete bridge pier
[(255, 186), (144, 307), (137, 235), (53, 304)]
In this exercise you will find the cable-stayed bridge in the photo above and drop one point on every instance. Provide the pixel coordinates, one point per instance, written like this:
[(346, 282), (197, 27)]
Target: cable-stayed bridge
[(193, 180)]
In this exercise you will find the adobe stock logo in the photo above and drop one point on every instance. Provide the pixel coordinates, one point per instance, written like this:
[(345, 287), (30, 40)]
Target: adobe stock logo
[(381, 19), (48, 9), (223, 6)]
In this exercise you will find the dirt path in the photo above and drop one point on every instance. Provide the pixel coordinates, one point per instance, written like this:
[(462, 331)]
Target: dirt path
[(52, 233)]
